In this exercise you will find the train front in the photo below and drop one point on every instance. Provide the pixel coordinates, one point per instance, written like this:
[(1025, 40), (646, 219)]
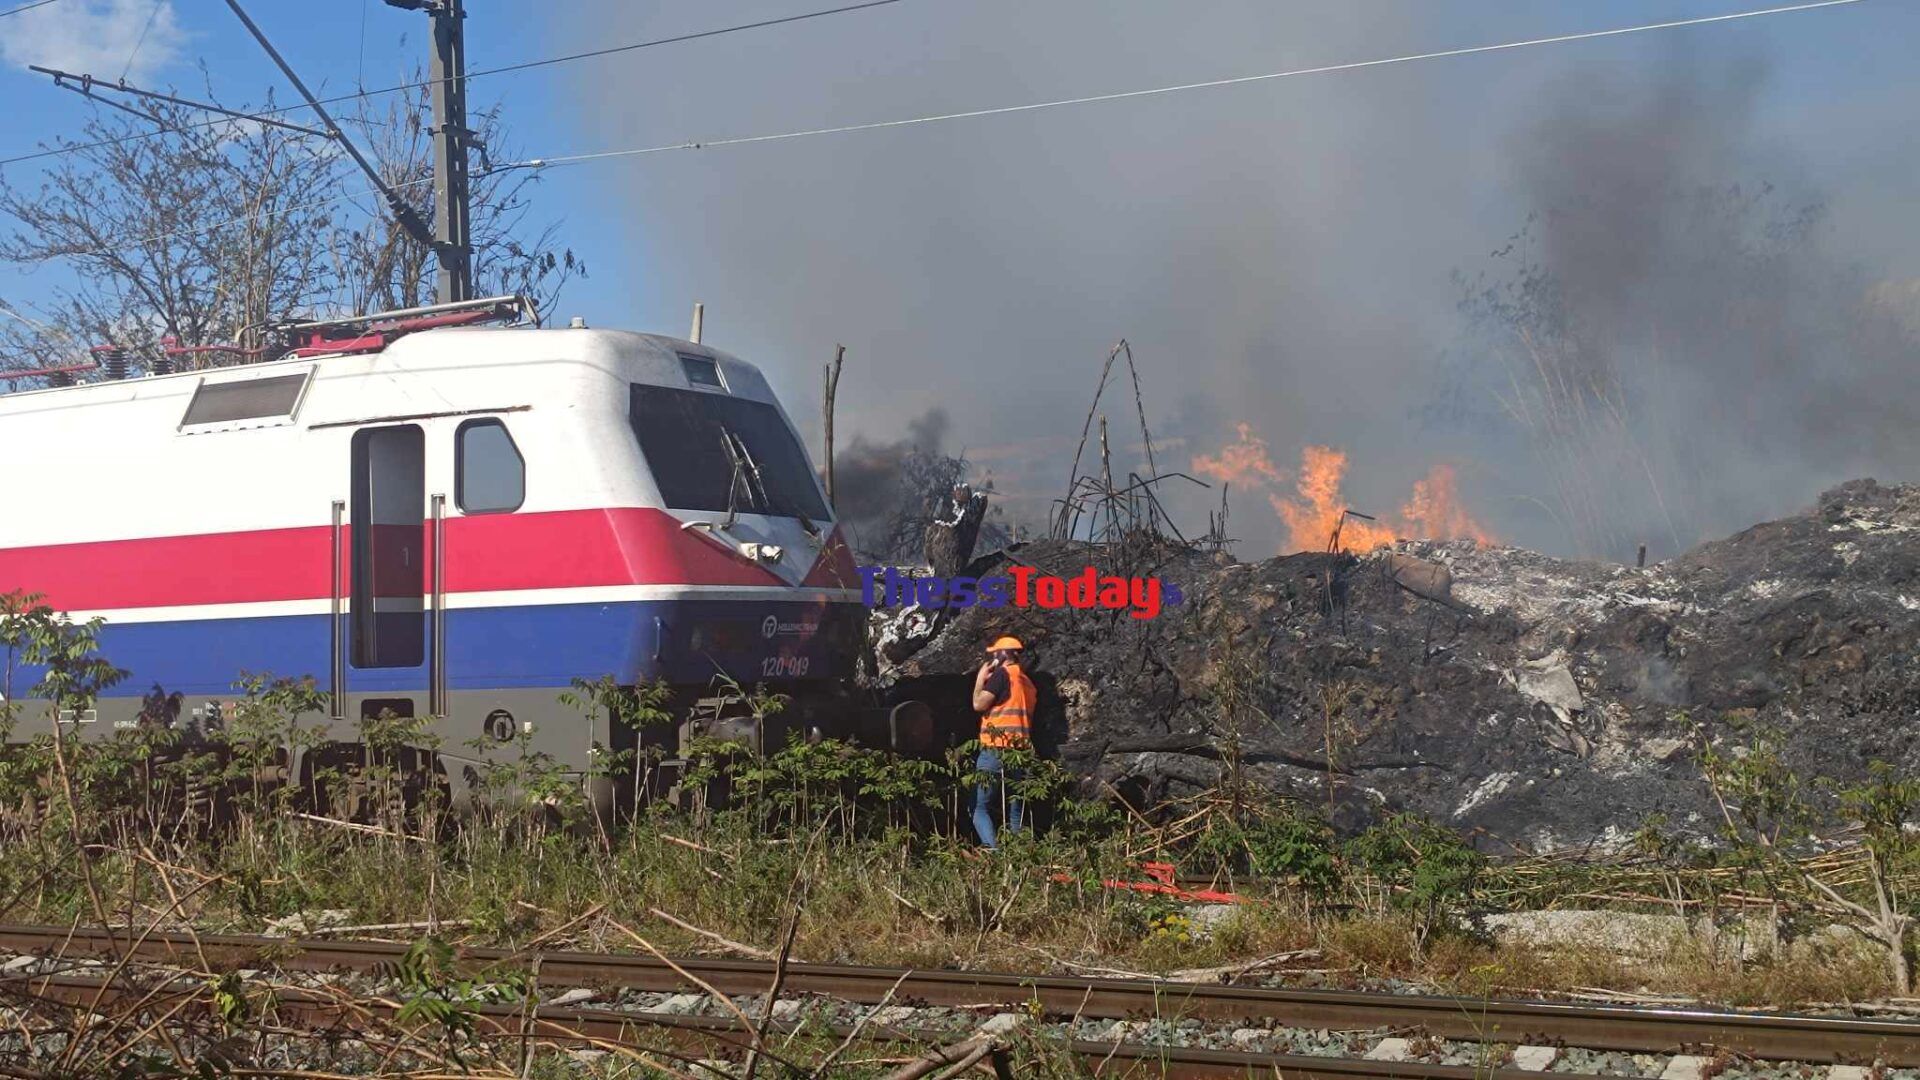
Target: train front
[(754, 587)]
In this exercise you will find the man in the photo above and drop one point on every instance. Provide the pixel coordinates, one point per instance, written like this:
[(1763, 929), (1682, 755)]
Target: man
[(1004, 697)]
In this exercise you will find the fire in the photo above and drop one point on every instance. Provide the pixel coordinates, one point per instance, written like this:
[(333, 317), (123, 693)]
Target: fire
[(1434, 512), (1244, 462), (1316, 508), (1312, 518)]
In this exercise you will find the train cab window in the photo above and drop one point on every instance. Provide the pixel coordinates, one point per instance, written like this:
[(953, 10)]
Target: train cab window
[(702, 371), (388, 547), (270, 399), (714, 452), (490, 476)]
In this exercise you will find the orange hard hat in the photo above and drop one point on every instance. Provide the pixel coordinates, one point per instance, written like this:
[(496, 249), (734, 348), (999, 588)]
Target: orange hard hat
[(1005, 643)]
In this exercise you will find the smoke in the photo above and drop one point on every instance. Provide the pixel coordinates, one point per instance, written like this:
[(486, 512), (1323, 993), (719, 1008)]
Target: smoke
[(882, 491), (1678, 344), (1283, 254), (868, 475)]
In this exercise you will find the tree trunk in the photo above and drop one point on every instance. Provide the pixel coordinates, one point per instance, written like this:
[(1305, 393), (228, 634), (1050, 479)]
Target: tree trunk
[(950, 537), (1893, 930)]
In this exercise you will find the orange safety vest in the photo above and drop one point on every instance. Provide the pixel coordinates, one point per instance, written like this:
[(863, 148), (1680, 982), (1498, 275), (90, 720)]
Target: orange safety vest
[(1010, 723)]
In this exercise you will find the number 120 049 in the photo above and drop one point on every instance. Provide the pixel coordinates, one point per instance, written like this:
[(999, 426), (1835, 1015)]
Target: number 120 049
[(792, 666)]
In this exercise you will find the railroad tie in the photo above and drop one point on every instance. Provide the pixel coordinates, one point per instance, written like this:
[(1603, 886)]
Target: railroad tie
[(1541, 1058), (1848, 1072), (1684, 1067), (1394, 1050)]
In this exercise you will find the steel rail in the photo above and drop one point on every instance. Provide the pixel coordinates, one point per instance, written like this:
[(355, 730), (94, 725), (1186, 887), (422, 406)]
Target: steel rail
[(1780, 1036), (705, 1035)]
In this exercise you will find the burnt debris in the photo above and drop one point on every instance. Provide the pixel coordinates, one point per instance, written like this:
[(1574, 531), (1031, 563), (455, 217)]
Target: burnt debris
[(1541, 703)]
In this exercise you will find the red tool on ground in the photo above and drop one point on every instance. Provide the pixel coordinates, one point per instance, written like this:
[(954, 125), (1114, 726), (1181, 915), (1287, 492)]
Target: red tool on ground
[(1163, 880)]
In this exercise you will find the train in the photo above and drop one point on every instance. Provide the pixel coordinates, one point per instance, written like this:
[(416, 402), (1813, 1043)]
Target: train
[(450, 514)]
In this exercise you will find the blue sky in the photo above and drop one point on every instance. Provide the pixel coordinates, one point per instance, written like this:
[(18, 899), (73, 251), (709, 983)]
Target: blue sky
[(1279, 253)]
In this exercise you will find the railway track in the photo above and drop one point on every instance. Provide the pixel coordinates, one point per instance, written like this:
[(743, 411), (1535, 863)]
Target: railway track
[(711, 1036), (1689, 1034)]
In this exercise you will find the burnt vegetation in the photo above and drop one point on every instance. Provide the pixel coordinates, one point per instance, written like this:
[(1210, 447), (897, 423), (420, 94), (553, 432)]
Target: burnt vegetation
[(1388, 766)]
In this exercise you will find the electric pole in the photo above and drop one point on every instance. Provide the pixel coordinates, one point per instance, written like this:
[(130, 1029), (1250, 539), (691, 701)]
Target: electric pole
[(452, 235)]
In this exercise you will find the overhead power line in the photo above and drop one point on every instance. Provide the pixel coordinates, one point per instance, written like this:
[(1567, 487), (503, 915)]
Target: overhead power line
[(24, 7), (1239, 80), (1033, 106), (524, 65)]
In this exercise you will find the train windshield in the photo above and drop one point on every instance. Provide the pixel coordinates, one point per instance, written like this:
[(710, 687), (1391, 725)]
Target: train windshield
[(716, 452)]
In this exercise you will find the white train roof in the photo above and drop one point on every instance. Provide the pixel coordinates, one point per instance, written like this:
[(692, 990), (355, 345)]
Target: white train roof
[(112, 459), (488, 353)]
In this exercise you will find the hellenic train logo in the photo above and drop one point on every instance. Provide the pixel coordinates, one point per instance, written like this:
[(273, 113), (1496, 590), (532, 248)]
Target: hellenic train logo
[(769, 626)]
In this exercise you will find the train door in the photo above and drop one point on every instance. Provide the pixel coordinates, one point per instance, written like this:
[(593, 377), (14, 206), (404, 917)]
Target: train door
[(388, 639)]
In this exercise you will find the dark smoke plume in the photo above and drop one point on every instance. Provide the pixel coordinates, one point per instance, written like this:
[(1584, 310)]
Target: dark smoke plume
[(1280, 254), (873, 481), (886, 493), (1676, 344)]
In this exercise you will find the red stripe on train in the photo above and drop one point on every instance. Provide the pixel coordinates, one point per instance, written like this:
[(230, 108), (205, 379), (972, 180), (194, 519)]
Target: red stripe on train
[(562, 549)]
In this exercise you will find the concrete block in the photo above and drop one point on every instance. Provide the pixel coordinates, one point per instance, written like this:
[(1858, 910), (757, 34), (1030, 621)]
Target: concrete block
[(683, 1004), (1625, 933), (1248, 1036), (21, 965), (571, 997), (893, 1016), (1390, 1050), (1000, 1023), (1684, 1067), (1535, 1058)]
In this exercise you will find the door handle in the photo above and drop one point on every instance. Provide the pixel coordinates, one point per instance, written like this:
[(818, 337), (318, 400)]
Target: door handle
[(336, 652), (437, 647)]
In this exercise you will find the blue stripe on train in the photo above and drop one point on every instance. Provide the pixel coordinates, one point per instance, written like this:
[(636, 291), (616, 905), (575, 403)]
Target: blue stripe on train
[(500, 648)]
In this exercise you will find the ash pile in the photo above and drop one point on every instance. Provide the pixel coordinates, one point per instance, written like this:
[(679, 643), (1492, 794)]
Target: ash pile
[(1540, 704)]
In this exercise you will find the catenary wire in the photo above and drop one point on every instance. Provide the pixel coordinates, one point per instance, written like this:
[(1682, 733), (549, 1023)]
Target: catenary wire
[(524, 65), (144, 31), (24, 7), (603, 155), (570, 159)]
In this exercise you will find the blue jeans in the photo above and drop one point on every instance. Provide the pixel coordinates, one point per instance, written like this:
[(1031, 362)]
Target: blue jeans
[(989, 792)]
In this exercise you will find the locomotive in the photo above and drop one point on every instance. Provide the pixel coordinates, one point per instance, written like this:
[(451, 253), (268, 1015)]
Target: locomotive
[(449, 514)]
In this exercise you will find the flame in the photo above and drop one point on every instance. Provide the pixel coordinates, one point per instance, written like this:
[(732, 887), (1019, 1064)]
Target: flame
[(1243, 462), (1432, 512), (1312, 519)]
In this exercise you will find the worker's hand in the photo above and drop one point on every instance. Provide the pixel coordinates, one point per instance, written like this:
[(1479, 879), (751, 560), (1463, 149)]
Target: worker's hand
[(986, 669)]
